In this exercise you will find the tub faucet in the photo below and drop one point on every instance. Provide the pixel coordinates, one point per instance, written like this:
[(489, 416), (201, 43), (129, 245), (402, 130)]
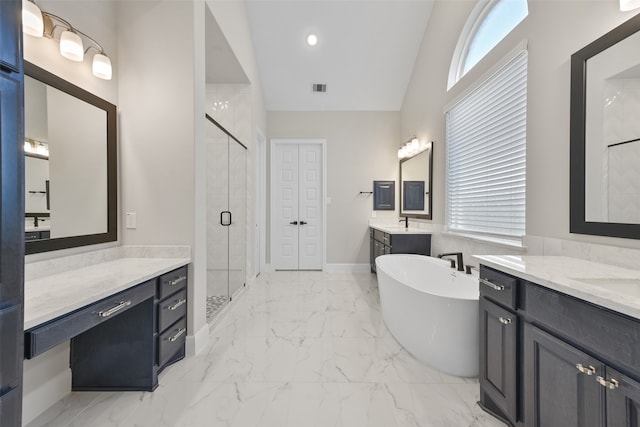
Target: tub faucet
[(406, 221), (458, 258)]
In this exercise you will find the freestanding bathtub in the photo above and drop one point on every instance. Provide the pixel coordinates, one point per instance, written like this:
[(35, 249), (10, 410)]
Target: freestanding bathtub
[(432, 310)]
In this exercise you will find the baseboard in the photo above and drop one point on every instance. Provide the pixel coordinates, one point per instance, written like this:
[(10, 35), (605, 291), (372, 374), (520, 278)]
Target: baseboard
[(197, 342), (348, 268), (36, 401)]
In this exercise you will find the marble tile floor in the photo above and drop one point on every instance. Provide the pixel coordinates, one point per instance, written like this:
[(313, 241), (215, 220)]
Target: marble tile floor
[(299, 349)]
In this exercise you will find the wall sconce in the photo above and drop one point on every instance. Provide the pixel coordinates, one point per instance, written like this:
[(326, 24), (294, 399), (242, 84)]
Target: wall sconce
[(412, 147), (38, 24), (626, 5), (36, 148)]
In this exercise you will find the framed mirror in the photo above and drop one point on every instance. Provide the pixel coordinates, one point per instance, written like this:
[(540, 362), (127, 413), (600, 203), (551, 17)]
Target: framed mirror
[(416, 184), (605, 135), (70, 164)]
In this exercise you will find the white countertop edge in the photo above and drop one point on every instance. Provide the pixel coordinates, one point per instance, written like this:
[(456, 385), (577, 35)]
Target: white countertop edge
[(399, 229), (120, 284), (611, 299)]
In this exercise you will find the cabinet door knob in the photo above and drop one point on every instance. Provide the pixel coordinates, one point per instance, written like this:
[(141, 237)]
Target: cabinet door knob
[(504, 320), (588, 370)]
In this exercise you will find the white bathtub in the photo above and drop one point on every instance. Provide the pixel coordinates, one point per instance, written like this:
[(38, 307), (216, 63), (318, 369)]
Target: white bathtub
[(432, 310)]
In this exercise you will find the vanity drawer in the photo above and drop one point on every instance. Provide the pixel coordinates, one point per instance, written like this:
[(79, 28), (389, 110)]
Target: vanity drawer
[(171, 309), (172, 282), (498, 286), (612, 337), (171, 342), (42, 338), (381, 236)]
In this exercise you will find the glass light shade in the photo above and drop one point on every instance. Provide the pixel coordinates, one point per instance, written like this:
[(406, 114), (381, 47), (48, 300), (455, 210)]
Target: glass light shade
[(626, 5), (312, 39), (32, 22), (102, 66), (71, 46)]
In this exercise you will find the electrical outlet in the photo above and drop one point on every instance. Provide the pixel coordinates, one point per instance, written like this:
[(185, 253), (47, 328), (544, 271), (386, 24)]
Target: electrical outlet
[(373, 214)]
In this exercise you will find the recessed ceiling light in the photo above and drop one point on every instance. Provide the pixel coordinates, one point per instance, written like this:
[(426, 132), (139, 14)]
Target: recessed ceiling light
[(312, 39)]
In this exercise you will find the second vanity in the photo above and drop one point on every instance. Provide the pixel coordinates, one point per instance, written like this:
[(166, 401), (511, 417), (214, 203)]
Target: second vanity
[(386, 239), (559, 341)]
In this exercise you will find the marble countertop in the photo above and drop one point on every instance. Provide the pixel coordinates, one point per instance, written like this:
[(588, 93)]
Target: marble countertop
[(399, 229), (49, 297), (32, 228), (615, 288)]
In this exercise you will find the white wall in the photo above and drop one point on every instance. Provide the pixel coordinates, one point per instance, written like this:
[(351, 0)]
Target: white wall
[(554, 30), (361, 148)]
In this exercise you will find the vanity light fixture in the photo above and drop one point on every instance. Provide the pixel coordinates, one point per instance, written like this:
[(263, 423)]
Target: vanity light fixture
[(412, 147), (36, 148), (38, 24), (71, 46), (32, 22), (626, 5)]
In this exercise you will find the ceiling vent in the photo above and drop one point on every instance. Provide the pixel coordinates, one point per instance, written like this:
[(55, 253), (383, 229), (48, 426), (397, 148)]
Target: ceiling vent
[(319, 87)]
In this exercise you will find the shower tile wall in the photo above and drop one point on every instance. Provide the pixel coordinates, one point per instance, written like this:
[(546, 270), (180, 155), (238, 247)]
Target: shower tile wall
[(230, 105)]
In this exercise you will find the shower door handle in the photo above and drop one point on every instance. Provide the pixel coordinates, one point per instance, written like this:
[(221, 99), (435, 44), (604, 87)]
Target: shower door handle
[(222, 218), (303, 223), (294, 223)]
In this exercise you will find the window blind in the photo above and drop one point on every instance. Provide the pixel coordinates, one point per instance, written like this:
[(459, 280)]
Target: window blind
[(486, 155)]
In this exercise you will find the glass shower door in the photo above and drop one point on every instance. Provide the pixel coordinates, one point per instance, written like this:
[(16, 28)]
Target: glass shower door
[(217, 234)]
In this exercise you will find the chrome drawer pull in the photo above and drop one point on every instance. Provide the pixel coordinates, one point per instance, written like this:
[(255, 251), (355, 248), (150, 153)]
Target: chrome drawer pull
[(612, 385), (178, 280), (176, 305), (589, 370), (115, 309), (178, 334), (491, 285), (504, 320)]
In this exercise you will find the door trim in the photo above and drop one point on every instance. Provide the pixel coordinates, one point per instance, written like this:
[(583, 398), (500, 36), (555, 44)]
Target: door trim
[(323, 144)]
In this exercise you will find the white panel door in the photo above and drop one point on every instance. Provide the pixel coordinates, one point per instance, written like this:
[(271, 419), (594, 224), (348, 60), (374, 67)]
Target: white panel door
[(296, 191), (310, 207), (284, 188)]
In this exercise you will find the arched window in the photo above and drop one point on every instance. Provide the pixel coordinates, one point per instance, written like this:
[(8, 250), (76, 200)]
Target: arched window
[(489, 22)]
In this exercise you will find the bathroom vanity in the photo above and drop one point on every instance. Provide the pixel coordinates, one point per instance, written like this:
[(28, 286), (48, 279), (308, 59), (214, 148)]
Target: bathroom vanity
[(126, 320), (559, 341), (397, 240)]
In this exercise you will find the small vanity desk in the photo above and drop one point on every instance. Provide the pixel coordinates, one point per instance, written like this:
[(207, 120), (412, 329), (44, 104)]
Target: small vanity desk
[(126, 320)]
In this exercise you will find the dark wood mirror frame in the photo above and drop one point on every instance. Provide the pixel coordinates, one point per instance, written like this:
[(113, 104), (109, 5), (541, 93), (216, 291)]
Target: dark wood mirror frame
[(111, 235), (429, 189), (578, 223)]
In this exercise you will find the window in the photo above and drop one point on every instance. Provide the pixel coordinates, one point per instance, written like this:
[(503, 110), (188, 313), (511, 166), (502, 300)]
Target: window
[(486, 155), (488, 24)]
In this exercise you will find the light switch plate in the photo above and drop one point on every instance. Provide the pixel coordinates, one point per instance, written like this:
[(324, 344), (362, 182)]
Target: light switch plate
[(130, 220)]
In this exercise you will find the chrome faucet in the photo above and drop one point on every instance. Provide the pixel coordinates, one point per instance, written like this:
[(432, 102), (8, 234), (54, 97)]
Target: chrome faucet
[(458, 256), (406, 221)]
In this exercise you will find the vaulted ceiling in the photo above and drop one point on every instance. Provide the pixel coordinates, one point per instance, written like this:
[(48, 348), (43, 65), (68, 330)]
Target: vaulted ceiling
[(365, 52)]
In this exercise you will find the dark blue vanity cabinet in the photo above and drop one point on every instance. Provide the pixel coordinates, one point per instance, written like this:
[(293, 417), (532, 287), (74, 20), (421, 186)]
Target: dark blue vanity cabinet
[(11, 213), (123, 341), (550, 359), (382, 243)]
